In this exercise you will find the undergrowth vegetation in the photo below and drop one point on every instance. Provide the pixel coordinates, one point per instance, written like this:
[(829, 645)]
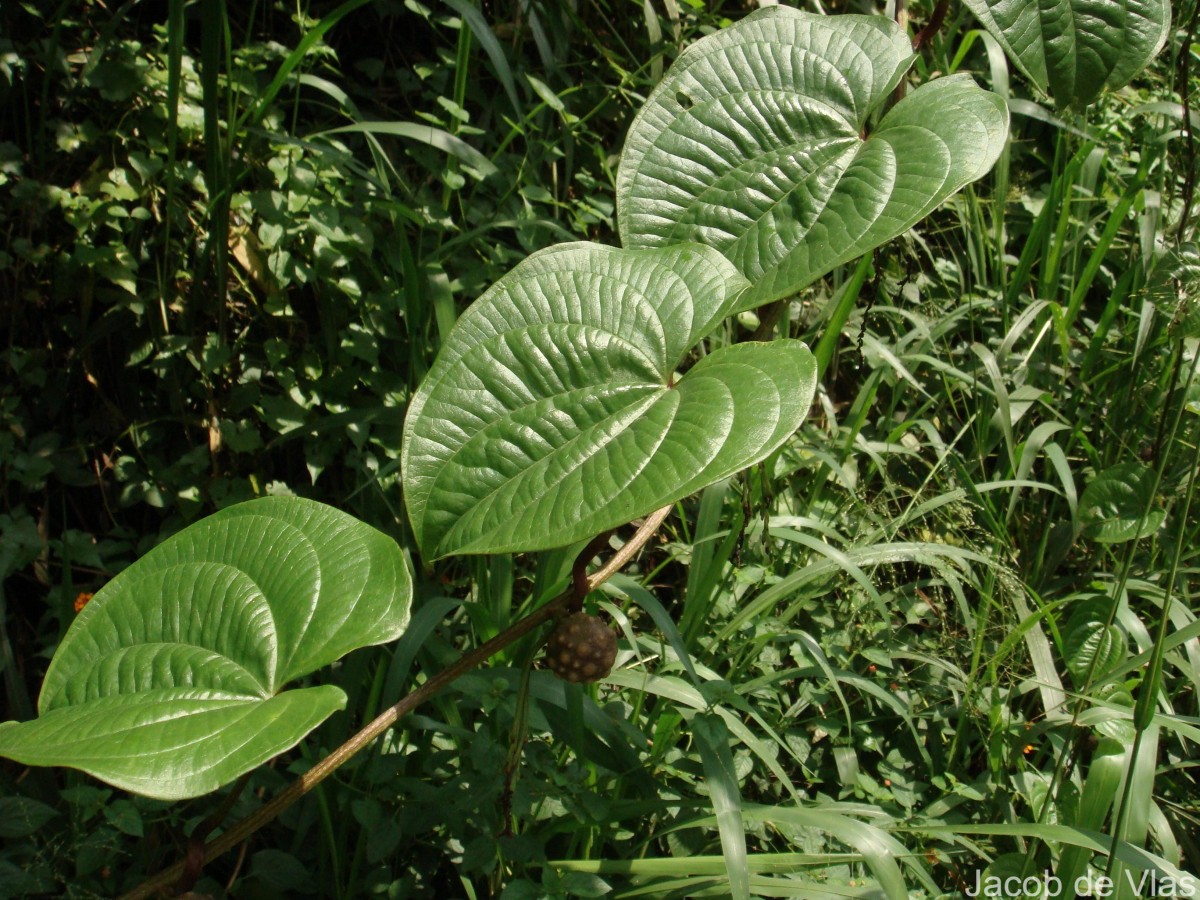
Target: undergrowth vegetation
[(946, 632)]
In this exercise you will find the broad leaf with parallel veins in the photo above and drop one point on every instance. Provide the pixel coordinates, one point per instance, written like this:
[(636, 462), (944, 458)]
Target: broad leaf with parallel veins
[(1117, 505), (758, 143), (552, 413), (1074, 49), (169, 681)]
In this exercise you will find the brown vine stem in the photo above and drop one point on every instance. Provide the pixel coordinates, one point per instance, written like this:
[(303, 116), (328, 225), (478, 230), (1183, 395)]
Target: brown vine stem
[(468, 661), (925, 35), (1189, 145), (902, 21)]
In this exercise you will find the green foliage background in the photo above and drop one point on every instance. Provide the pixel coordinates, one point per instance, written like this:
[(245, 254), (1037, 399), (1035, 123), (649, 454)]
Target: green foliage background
[(927, 617)]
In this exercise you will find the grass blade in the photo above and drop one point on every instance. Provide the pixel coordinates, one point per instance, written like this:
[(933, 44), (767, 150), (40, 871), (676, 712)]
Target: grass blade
[(712, 740), (487, 39), (426, 134)]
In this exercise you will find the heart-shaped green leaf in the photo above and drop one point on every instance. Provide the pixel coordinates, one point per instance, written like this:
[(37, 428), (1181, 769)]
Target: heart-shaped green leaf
[(551, 413), (755, 143), (1074, 49), (1115, 505), (1092, 647), (1174, 288), (167, 683)]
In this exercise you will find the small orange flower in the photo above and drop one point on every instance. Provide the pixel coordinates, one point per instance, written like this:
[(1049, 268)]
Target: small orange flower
[(82, 600), (1029, 748)]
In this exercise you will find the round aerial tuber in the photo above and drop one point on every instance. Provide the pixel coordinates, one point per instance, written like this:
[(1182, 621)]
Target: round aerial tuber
[(581, 649)]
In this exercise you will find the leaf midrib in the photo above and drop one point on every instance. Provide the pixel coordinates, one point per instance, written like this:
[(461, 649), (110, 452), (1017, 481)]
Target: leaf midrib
[(648, 402), (674, 236), (82, 673)]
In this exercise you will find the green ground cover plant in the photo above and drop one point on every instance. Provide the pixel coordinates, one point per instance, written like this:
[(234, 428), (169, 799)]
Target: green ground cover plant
[(905, 612)]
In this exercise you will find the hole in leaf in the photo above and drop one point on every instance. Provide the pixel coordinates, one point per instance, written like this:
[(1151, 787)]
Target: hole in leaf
[(684, 100)]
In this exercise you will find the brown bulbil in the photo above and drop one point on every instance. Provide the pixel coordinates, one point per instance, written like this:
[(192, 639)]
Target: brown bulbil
[(581, 649)]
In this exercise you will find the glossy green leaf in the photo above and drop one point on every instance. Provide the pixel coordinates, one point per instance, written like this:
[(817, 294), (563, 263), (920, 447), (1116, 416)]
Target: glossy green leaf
[(1091, 646), (1110, 695), (1174, 288), (1074, 49), (758, 142), (1113, 507), (168, 682), (552, 412)]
